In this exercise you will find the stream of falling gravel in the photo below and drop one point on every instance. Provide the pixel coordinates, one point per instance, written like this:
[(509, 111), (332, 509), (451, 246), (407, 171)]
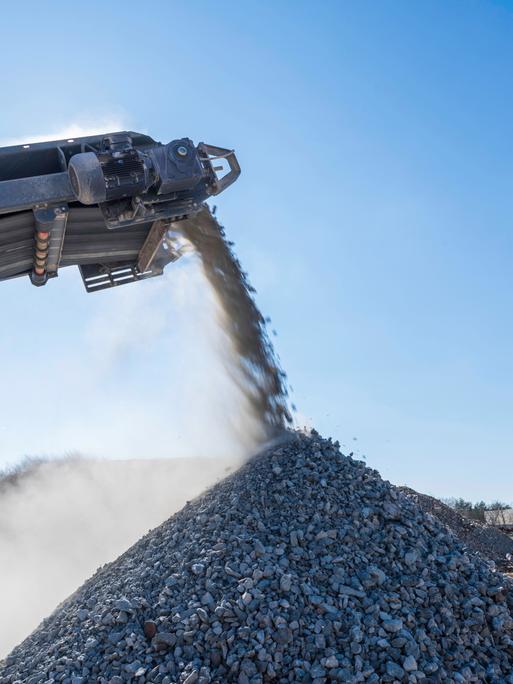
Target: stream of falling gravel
[(252, 364)]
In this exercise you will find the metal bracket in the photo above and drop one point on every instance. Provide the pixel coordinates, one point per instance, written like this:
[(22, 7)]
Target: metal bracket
[(151, 245), (98, 277), (157, 251), (212, 153)]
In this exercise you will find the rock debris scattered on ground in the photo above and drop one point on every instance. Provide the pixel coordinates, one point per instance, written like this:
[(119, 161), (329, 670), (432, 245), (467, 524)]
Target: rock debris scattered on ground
[(484, 539), (304, 566)]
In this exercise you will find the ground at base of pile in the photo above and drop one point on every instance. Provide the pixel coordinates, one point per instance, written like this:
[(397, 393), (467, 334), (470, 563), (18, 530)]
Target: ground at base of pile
[(304, 566)]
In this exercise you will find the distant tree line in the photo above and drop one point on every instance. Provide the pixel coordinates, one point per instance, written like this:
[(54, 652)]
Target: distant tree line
[(476, 511)]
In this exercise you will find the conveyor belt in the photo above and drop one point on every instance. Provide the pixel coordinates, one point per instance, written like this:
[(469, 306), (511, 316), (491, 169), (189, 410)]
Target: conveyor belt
[(87, 241)]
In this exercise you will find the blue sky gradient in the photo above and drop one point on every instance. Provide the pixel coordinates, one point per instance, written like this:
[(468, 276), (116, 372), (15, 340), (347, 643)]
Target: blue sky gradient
[(374, 213)]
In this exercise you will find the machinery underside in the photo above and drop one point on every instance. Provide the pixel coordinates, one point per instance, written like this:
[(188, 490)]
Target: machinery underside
[(109, 204), (105, 257)]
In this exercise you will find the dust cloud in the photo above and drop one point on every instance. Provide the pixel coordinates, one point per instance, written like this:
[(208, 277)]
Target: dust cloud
[(143, 372), (61, 520)]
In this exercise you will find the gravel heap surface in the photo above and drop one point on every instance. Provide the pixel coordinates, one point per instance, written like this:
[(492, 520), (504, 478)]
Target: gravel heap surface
[(304, 566), (479, 537)]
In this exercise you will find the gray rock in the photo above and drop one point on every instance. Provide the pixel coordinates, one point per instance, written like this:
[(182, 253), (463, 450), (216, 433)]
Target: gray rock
[(393, 626), (410, 664), (123, 604), (394, 670), (286, 583), (331, 662), (164, 640), (91, 643)]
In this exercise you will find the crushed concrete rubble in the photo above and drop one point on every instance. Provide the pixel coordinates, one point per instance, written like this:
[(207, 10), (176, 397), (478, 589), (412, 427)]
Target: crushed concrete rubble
[(303, 566)]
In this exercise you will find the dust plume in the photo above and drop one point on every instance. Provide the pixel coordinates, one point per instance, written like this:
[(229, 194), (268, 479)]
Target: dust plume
[(61, 520), (143, 374)]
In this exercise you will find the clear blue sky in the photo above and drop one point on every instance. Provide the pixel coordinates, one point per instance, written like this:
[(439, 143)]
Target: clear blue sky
[(374, 213)]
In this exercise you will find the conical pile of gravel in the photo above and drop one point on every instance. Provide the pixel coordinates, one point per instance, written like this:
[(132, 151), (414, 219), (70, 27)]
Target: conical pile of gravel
[(304, 566)]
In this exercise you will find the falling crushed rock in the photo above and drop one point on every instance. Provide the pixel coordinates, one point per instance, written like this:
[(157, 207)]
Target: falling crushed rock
[(303, 566), (252, 362)]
